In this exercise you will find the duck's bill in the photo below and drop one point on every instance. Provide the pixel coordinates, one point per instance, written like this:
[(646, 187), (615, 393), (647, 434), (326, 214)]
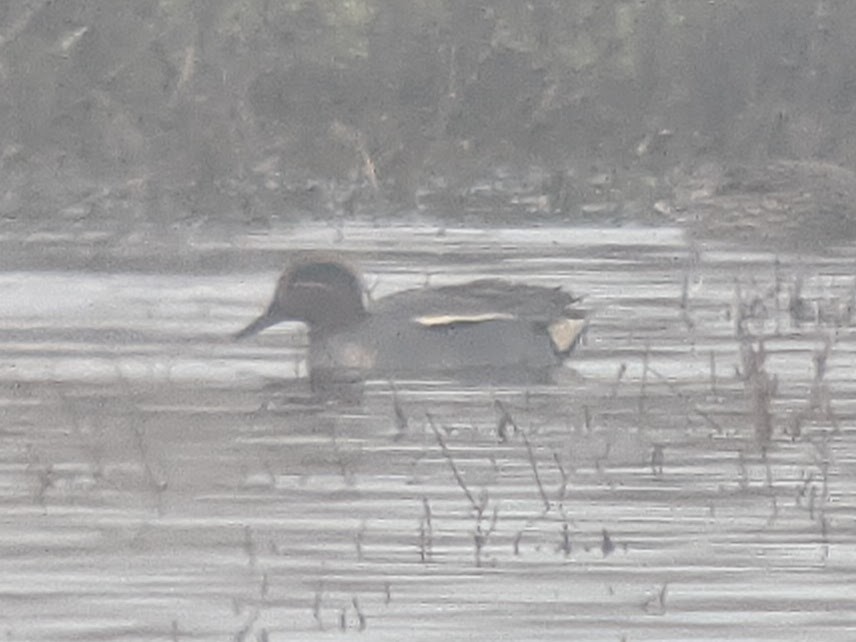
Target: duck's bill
[(264, 321)]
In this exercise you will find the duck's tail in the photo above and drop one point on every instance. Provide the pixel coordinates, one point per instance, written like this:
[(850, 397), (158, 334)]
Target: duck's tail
[(566, 331)]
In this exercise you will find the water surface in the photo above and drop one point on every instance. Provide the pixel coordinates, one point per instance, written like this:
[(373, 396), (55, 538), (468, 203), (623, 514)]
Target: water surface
[(163, 482)]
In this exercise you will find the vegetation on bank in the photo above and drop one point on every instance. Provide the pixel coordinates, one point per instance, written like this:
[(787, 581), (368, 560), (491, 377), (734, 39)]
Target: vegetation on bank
[(241, 107)]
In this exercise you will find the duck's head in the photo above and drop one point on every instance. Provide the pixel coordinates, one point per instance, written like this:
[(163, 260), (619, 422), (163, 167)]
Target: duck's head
[(322, 293)]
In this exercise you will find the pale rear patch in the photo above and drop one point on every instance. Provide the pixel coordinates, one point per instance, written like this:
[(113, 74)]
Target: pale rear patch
[(564, 333), (433, 320)]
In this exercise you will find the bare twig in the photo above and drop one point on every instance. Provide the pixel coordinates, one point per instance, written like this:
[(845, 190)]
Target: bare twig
[(657, 603), (534, 466), (242, 633), (450, 460), (480, 534), (646, 360), (358, 541), (426, 532), (361, 618), (712, 372), (505, 421), (157, 485), (685, 304), (657, 460), (606, 544), (565, 546), (563, 485), (400, 418), (316, 606), (249, 546)]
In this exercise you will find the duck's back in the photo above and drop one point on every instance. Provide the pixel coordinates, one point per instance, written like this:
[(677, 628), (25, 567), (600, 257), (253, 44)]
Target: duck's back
[(478, 299)]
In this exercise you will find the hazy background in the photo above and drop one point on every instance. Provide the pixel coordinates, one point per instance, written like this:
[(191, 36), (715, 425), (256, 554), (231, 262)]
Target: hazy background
[(133, 112), (690, 472)]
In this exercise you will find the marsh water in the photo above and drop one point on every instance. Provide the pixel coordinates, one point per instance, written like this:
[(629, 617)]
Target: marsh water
[(162, 482)]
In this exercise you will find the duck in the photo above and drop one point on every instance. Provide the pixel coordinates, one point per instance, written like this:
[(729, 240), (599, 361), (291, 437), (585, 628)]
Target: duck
[(484, 327)]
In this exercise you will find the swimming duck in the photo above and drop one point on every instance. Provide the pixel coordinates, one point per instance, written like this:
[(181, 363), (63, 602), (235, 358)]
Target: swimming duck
[(483, 327)]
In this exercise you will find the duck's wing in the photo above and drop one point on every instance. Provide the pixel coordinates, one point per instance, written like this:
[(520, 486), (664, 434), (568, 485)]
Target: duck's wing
[(482, 300)]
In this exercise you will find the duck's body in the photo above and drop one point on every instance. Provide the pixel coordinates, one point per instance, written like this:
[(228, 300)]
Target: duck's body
[(486, 326)]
